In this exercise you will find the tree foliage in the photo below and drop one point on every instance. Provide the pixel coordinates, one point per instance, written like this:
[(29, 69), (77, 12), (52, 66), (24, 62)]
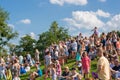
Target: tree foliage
[(6, 32), (53, 35), (27, 44), (118, 32)]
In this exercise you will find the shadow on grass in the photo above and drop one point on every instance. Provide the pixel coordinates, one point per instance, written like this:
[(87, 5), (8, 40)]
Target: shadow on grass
[(70, 61)]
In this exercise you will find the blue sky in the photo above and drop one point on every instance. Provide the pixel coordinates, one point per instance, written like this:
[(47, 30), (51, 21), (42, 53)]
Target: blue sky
[(35, 16)]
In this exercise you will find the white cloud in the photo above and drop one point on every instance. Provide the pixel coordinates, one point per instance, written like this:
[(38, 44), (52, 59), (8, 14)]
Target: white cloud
[(114, 23), (59, 2), (84, 21), (102, 0), (74, 2), (26, 21), (102, 13), (11, 25)]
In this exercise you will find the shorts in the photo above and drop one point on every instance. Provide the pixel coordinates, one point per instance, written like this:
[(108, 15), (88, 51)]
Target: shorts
[(73, 50)]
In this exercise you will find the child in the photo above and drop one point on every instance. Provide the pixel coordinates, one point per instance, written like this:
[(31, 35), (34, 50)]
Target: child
[(78, 56), (58, 66), (53, 72), (95, 31), (85, 65), (39, 71)]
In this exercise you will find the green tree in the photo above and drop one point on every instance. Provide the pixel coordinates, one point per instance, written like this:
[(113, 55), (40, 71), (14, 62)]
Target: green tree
[(6, 32), (118, 32), (11, 47), (58, 33), (27, 44), (54, 35)]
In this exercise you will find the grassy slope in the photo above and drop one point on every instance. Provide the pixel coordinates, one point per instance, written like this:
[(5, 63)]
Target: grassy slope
[(70, 63)]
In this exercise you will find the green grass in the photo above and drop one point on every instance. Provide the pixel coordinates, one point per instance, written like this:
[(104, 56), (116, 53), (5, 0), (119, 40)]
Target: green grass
[(70, 64)]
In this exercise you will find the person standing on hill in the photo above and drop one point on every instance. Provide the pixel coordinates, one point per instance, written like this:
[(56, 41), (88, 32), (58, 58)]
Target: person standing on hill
[(118, 44), (103, 68), (95, 30), (47, 62), (73, 48), (85, 64), (21, 59), (37, 55)]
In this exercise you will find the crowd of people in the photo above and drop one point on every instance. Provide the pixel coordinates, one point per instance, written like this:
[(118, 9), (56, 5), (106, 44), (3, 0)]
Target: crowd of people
[(104, 49), (12, 66)]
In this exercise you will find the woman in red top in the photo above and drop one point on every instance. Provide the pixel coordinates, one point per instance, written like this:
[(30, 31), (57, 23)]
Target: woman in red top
[(85, 65)]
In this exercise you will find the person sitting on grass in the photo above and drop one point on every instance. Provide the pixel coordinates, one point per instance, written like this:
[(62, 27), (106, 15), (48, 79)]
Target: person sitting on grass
[(36, 73), (80, 67), (65, 74), (22, 69), (39, 71), (111, 61), (16, 77), (117, 69), (27, 68), (33, 76), (74, 74)]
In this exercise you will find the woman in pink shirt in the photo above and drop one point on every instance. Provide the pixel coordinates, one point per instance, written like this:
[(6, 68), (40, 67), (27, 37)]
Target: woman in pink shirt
[(85, 65)]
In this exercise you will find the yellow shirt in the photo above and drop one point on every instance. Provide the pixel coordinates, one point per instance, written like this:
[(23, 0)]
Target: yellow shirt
[(9, 75), (104, 73)]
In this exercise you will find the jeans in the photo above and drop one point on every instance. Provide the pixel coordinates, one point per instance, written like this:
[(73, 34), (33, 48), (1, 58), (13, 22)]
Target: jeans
[(2, 76)]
